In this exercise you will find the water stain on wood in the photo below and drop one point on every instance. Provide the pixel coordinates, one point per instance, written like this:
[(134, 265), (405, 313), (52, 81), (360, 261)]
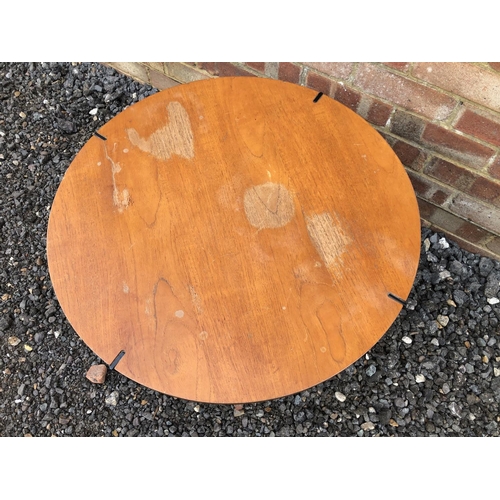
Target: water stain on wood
[(195, 298), (329, 239), (176, 137), (268, 205), (121, 199)]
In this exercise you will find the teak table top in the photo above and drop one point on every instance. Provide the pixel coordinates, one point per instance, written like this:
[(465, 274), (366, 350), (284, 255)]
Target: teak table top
[(237, 238)]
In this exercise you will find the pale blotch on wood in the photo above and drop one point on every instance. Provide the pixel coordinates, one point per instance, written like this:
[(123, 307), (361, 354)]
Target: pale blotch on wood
[(195, 299), (176, 137), (148, 309), (268, 205), (121, 199), (328, 238)]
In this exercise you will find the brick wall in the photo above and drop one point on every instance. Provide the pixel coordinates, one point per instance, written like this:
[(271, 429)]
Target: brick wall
[(441, 119)]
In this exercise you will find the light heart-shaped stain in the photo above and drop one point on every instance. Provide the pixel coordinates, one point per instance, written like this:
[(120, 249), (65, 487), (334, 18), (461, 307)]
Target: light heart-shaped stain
[(176, 137)]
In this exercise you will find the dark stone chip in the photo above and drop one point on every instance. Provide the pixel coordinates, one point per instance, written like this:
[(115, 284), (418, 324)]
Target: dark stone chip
[(66, 126)]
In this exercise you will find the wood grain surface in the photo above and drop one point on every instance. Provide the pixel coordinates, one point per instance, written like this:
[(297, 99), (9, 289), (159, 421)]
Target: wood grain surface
[(235, 238)]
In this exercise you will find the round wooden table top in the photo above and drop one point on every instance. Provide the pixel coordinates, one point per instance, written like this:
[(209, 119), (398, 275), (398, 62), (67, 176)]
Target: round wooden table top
[(239, 239)]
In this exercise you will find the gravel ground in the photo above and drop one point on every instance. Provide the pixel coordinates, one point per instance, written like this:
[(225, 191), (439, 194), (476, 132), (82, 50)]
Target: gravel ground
[(436, 372)]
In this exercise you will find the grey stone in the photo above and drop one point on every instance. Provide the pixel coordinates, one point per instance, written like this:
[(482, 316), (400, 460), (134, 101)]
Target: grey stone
[(442, 243), (443, 320), (399, 402), (492, 284), (472, 399), (444, 274), (495, 385), (485, 266), (367, 426), (66, 126), (341, 397), (455, 409), (384, 416), (460, 297), (492, 427), (458, 268), (112, 399)]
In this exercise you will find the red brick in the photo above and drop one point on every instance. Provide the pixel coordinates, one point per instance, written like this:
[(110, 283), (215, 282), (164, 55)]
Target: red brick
[(230, 69), (379, 113), (407, 126), (289, 72), (337, 70), (319, 83), (425, 208), (404, 92), (258, 66), (450, 174), (477, 83), (445, 220), (485, 216), (420, 185), (471, 232), (455, 146), (346, 95), (428, 189), (486, 190), (408, 154), (494, 169), (495, 66), (486, 128), (439, 197), (400, 66)]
